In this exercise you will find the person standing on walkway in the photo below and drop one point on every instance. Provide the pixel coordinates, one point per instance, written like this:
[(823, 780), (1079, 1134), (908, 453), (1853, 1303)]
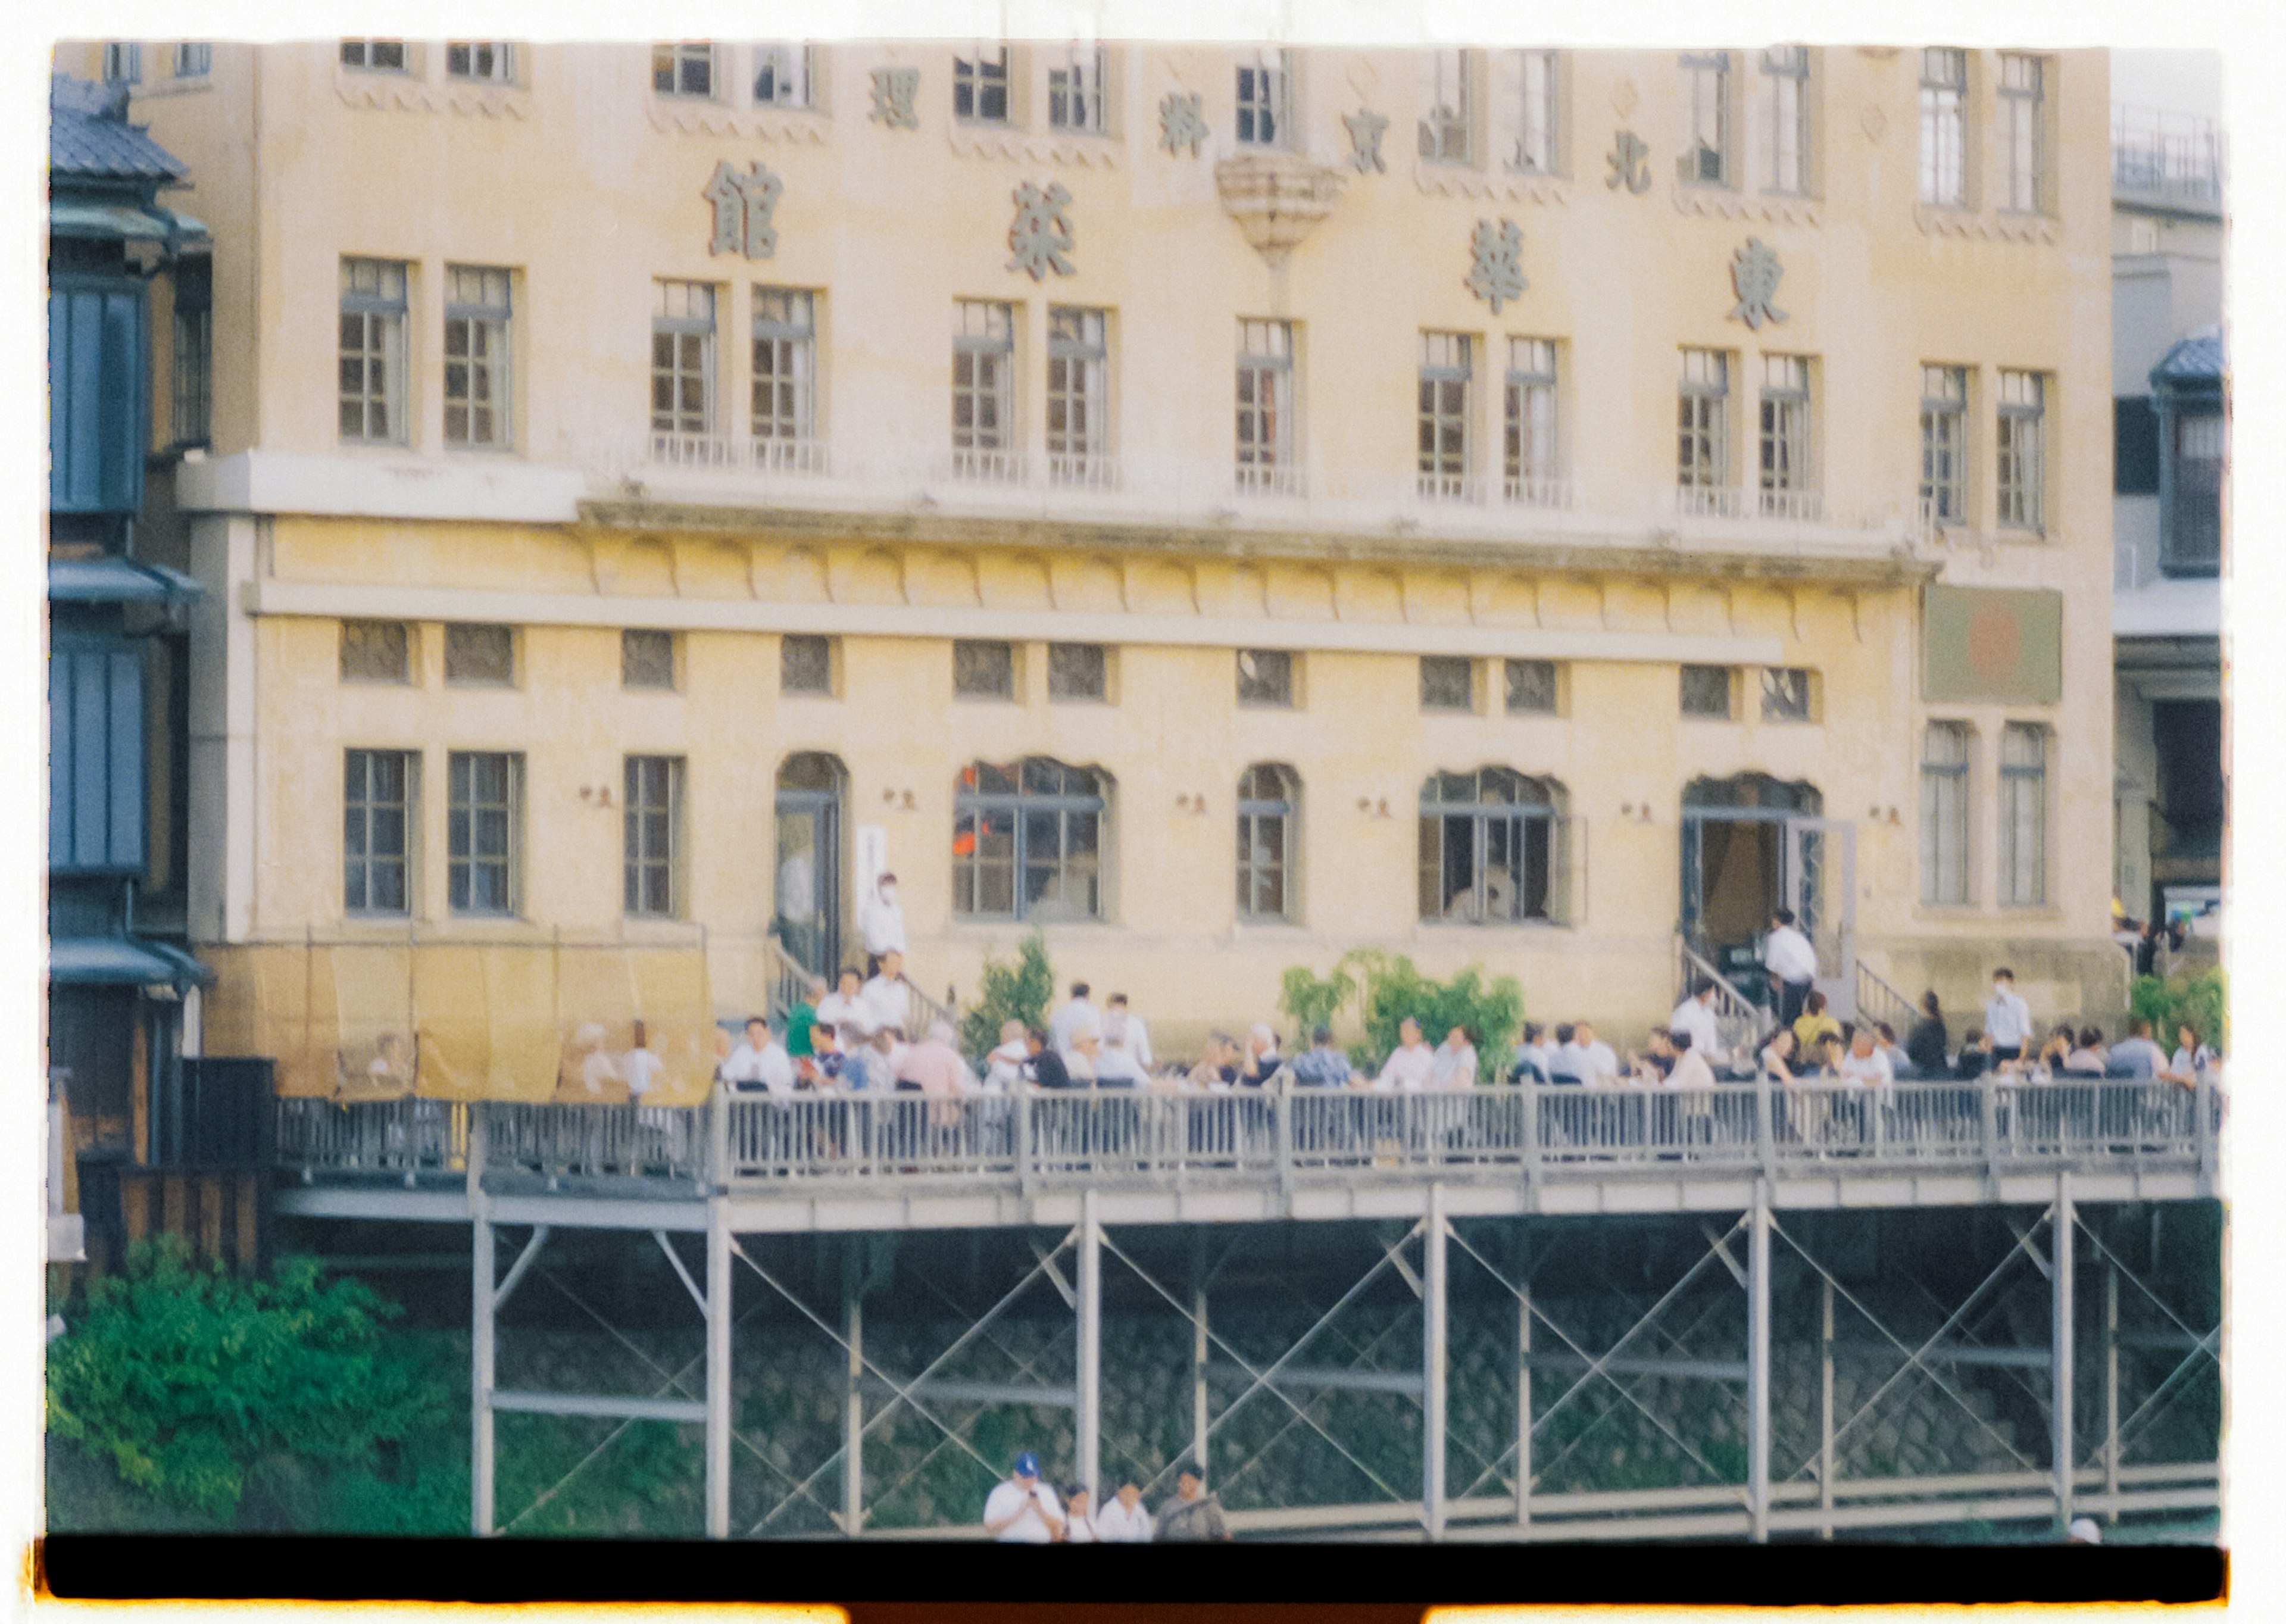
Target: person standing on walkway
[(1023, 1510), (1792, 964), (2007, 1019), (1123, 1519), (1193, 1515), (881, 921), (1066, 1023)]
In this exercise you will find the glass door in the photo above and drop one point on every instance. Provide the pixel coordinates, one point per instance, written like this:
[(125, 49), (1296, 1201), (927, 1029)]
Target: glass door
[(1818, 880), (807, 903)]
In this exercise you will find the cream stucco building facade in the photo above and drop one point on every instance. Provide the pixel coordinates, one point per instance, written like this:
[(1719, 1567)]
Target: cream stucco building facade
[(707, 426)]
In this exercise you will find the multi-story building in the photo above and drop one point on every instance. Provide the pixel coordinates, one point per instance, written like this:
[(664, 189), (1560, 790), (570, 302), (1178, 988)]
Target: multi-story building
[(1221, 507)]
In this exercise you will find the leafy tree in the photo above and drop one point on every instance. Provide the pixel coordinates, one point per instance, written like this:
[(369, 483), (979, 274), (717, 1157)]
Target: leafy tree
[(1388, 991), (1312, 1002), (1019, 991), (2198, 998)]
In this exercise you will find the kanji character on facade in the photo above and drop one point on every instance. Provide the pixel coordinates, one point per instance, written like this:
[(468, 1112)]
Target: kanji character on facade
[(1628, 170), (1755, 274), (1497, 273), (743, 202), (893, 90), (1366, 128), (1041, 234), (1182, 122)]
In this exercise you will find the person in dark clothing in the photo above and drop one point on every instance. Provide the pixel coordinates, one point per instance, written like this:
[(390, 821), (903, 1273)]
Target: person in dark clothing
[(1925, 1044), (1046, 1065), (1975, 1056)]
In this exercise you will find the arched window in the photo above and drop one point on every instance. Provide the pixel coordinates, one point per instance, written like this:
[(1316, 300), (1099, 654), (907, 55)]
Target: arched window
[(1491, 847), (807, 910), (1269, 798), (1028, 842)]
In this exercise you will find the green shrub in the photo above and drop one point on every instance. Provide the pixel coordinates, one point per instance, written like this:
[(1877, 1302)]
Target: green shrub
[(1388, 991), (2199, 998), (1019, 991), (1311, 1002)]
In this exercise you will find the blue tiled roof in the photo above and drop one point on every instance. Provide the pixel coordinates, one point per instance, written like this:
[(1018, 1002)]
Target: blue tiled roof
[(90, 138), (2201, 356)]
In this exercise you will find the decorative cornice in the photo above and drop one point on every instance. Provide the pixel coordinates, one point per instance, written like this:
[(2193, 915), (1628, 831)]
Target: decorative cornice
[(1277, 198), (1504, 185), (2034, 228), (709, 118), (1713, 203), (1016, 146), (402, 93)]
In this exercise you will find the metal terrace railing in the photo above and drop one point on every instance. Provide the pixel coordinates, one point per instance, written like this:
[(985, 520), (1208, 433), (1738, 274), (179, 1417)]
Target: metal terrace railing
[(1283, 1135)]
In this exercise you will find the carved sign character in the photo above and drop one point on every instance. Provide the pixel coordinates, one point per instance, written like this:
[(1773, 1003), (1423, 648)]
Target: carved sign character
[(743, 202), (1182, 122), (893, 90), (1628, 170), (1755, 274), (1497, 273), (1041, 234), (1366, 130)]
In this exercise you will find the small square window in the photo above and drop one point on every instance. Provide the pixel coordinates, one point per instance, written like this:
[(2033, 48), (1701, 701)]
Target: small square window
[(1785, 694), (1706, 691), (480, 655), (806, 665), (1076, 671), (1265, 676), (376, 651), (984, 670), (1531, 687), (647, 660), (1447, 683)]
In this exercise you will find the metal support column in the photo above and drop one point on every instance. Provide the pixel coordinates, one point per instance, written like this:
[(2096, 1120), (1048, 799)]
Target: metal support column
[(1090, 1307), (1758, 1364), (1199, 1370), (852, 1413), (2060, 1343), (1432, 1363), (481, 1344), (2111, 1385), (718, 1369), (1523, 1382), (1825, 1403)]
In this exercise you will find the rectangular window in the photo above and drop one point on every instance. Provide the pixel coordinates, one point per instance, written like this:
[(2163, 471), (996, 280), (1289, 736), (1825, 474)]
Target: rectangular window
[(1076, 671), (1786, 128), (1529, 409), (486, 61), (1447, 126), (781, 75), (480, 655), (1265, 85), (122, 64), (373, 351), (984, 670), (1788, 491), (2023, 816), (1945, 127), (1028, 842), (980, 85), (1536, 144), (2190, 541), (984, 367), (376, 651), (476, 404), (785, 387), (1706, 691), (1265, 676), (1076, 90), (1785, 694), (806, 665), (1531, 687), (1266, 796), (194, 334), (1707, 108), (376, 824), (1266, 408), (193, 60), (1703, 422), (1945, 444), (378, 56), (647, 660), (2019, 468), (682, 360), (1079, 398), (483, 834), (2022, 118), (1448, 682), (686, 69), (1447, 412), (2134, 446), (1945, 814), (653, 812)]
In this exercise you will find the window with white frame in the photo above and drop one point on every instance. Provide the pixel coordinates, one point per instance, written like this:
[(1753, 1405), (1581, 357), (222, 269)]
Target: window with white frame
[(1265, 99), (652, 814), (2020, 463), (1079, 396), (1267, 798), (1945, 127), (682, 360), (1945, 814), (1265, 404), (1530, 412), (487, 61), (785, 360), (683, 67), (2023, 816), (1447, 122), (781, 75), (476, 401), (1786, 119), (194, 350), (1536, 142), (194, 58), (1945, 444), (984, 367), (980, 85), (1076, 82), (122, 64), (372, 365), (1783, 438), (377, 831), (1447, 410), (1703, 421), (1489, 848), (1028, 842), (2022, 94), (377, 56), (1706, 112), (484, 831)]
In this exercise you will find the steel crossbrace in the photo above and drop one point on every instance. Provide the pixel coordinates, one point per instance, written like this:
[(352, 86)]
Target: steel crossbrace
[(524, 1261), (1291, 1421), (2207, 1343), (1267, 1378), (689, 1284), (1914, 1358), (2037, 1394)]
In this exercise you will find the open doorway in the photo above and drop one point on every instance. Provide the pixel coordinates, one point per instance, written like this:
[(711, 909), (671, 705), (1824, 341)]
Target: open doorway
[(1741, 865), (807, 908)]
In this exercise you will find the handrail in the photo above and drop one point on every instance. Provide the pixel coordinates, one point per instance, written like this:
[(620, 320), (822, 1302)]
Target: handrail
[(790, 982), (1881, 1002), (927, 1011), (1740, 1019)]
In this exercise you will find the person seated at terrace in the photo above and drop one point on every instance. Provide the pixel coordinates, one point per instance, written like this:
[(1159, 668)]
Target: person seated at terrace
[(1651, 1067), (1901, 1064), (1603, 1065), (759, 1062), (1044, 1067), (1071, 1016), (1262, 1059), (1217, 1070), (2192, 1056), (1976, 1057), (1820, 1057), (2057, 1051), (1696, 1015), (2136, 1055), (1003, 1068), (888, 1000), (1689, 1067), (1776, 1056), (934, 1066), (869, 1063), (597, 1072), (1567, 1061), (1455, 1066), (1925, 1043), (2088, 1057), (1323, 1066), (1120, 1062), (1410, 1064), (1866, 1065), (845, 1006), (1533, 1055), (820, 1070), (1139, 1035), (1814, 1023), (1079, 1060)]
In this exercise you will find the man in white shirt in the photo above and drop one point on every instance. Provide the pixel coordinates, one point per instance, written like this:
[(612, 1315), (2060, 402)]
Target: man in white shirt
[(1691, 1069), (1696, 1015), (1567, 1061), (1024, 1511), (1533, 1055), (1792, 962), (845, 1005), (1123, 1520), (760, 1062), (2008, 1018), (640, 1067), (1865, 1066), (889, 1001), (1138, 1037), (881, 921), (1409, 1065), (1603, 1065), (595, 1066), (1456, 1065), (1118, 1065), (1067, 1020), (1003, 1068)]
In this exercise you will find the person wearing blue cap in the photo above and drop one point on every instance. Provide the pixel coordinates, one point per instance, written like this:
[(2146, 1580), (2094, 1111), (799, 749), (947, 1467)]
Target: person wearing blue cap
[(1024, 1511)]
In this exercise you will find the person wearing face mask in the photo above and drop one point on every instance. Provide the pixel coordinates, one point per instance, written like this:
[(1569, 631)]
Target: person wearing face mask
[(882, 922), (2007, 1019)]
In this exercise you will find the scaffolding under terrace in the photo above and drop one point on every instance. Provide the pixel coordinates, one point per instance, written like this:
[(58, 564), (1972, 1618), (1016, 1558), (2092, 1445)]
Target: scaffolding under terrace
[(1513, 1314)]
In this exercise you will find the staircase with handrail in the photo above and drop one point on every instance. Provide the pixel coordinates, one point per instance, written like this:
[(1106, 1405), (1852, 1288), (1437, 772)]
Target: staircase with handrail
[(1738, 1017), (1880, 1002)]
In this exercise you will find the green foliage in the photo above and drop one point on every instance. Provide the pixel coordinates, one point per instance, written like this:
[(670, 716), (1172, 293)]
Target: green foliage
[(1311, 1002), (1388, 989), (2198, 998), (1008, 992), (186, 1378)]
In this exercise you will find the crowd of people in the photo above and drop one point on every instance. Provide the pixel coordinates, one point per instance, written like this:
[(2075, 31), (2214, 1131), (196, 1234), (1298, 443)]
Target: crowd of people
[(1024, 1511)]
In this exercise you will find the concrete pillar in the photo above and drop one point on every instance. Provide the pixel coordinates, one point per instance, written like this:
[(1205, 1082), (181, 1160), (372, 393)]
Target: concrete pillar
[(1432, 1365), (853, 1412), (1090, 1292), (1825, 1403), (718, 1369), (1199, 1370), (2111, 1385), (1523, 1383), (2060, 1343), (480, 1373), (1758, 1364)]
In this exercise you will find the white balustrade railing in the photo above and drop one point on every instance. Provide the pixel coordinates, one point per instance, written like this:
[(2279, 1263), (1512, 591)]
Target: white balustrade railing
[(1288, 479), (1797, 506), (1082, 471), (1537, 491), (980, 466), (786, 454), (1713, 501)]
